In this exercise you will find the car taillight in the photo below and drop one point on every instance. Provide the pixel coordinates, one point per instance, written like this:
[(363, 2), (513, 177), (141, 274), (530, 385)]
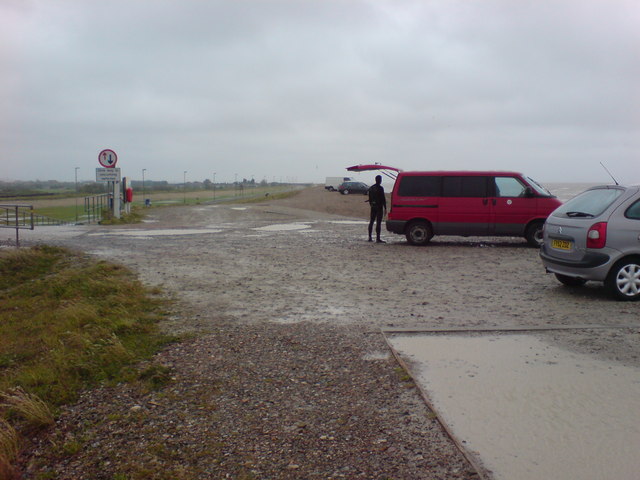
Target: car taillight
[(597, 235)]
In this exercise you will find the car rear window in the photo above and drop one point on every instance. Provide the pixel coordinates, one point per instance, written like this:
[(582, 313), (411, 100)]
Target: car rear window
[(589, 204)]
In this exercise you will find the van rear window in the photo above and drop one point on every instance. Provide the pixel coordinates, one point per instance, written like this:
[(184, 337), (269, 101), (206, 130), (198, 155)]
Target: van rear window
[(471, 186), (419, 186)]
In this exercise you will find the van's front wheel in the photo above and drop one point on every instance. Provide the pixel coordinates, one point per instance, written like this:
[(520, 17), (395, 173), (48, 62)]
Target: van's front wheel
[(419, 233), (534, 234)]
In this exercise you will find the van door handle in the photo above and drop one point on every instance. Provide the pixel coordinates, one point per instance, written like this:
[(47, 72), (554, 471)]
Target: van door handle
[(494, 201), (485, 201)]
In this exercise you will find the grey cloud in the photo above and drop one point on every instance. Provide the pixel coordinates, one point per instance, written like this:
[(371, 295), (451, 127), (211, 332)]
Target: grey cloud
[(304, 88)]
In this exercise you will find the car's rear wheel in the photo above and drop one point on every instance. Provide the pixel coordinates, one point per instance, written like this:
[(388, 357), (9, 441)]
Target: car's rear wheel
[(419, 233), (570, 281), (623, 280), (534, 234)]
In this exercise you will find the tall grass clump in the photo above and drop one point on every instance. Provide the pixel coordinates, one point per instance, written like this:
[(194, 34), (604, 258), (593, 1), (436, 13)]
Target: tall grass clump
[(8, 448), (28, 406), (68, 322)]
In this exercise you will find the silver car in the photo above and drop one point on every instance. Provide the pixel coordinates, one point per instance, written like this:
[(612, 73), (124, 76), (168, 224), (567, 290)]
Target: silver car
[(596, 236)]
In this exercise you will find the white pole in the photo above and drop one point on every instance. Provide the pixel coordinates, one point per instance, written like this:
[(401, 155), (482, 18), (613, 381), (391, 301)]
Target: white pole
[(116, 199)]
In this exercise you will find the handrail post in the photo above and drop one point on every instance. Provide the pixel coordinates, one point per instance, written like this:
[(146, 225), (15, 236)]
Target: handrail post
[(17, 229)]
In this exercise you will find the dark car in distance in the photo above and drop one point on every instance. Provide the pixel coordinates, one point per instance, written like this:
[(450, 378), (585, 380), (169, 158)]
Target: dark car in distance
[(353, 187)]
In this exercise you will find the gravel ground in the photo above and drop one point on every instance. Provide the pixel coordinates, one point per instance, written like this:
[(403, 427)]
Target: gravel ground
[(285, 373)]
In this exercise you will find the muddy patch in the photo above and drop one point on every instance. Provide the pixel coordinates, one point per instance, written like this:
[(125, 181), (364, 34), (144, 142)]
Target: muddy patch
[(155, 233)]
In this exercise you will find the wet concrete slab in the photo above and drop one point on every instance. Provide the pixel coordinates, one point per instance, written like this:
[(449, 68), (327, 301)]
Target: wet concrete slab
[(526, 409)]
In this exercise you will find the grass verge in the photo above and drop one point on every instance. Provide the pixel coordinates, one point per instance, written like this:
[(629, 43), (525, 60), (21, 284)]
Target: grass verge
[(68, 322), (268, 197), (135, 216)]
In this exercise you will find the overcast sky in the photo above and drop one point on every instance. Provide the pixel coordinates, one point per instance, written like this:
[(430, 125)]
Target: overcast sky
[(300, 89)]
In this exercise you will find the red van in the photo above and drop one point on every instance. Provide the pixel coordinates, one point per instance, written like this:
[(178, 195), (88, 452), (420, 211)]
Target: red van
[(424, 204)]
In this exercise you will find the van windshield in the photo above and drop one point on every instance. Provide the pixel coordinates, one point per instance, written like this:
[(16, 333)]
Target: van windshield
[(538, 188), (589, 204)]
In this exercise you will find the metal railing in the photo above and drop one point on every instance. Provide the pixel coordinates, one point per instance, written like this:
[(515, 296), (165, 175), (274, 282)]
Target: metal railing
[(17, 216), (95, 206), (42, 220)]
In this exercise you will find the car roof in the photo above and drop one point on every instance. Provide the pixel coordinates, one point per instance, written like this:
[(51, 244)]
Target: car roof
[(470, 173)]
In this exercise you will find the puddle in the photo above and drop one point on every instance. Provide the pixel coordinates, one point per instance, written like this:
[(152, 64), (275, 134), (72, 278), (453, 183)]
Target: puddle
[(107, 252), (239, 208), (155, 233), (283, 227), (287, 321), (375, 356), (349, 222), (529, 409)]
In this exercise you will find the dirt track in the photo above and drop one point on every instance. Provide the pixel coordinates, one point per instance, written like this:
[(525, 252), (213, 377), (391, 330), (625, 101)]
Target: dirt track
[(287, 299)]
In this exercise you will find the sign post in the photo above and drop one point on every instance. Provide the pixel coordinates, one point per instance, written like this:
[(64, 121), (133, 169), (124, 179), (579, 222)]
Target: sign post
[(107, 158)]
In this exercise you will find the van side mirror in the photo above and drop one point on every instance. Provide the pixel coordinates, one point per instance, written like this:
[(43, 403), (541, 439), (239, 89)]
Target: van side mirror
[(528, 192)]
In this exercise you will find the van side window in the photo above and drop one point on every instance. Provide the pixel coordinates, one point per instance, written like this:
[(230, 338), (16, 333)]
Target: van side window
[(633, 212), (509, 187), (419, 186), (471, 186)]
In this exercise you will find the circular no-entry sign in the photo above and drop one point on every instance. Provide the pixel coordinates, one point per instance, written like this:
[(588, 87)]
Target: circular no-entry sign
[(108, 158)]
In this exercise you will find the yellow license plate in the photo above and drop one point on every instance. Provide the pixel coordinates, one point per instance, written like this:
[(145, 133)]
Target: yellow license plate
[(561, 244)]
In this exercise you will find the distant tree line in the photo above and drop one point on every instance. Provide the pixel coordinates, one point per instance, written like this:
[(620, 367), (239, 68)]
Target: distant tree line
[(36, 186), (54, 187)]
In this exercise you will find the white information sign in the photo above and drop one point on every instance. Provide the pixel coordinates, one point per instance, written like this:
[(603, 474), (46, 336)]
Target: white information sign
[(107, 174)]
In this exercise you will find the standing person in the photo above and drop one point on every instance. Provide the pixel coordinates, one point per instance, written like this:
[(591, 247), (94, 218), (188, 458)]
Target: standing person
[(378, 203)]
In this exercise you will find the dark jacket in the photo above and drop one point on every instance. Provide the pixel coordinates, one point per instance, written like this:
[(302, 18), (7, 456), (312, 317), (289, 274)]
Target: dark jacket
[(376, 196)]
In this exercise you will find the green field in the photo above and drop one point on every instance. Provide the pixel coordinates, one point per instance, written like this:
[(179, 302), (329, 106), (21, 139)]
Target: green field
[(69, 208)]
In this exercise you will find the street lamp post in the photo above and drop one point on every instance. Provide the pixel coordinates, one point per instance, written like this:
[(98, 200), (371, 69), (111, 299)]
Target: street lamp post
[(144, 200), (77, 168), (185, 187)]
